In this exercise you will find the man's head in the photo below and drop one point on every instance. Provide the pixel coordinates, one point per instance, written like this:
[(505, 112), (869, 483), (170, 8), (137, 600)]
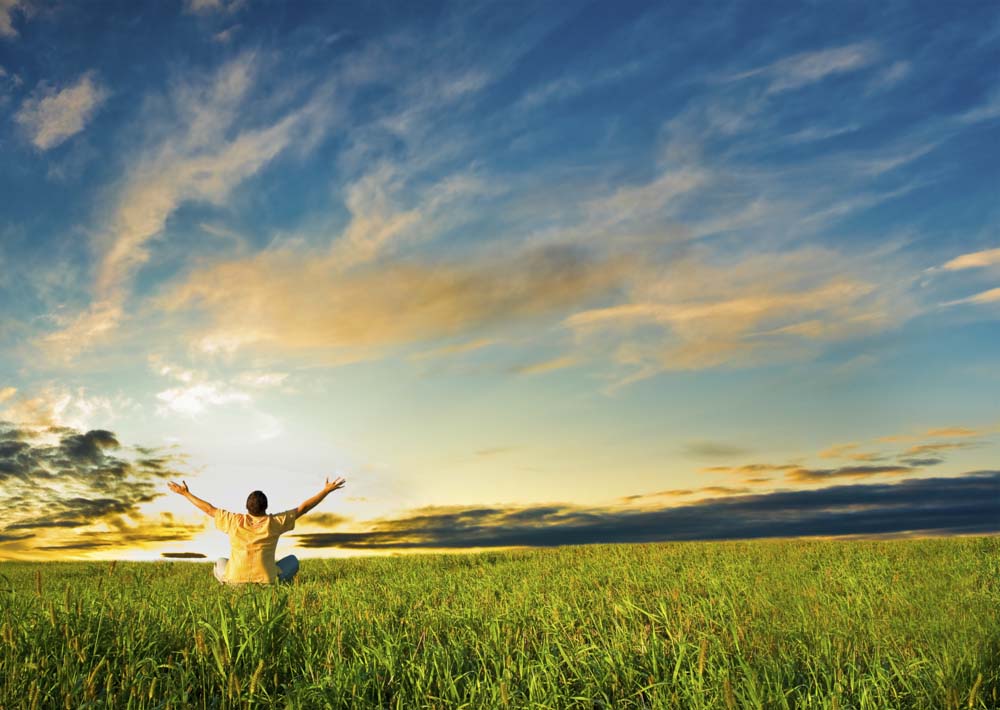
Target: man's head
[(257, 503)]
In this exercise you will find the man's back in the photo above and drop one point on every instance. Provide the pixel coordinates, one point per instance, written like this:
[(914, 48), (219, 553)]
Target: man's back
[(253, 539)]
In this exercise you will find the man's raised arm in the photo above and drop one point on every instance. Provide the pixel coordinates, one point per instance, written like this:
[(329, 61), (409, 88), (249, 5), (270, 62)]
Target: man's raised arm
[(329, 488), (197, 502)]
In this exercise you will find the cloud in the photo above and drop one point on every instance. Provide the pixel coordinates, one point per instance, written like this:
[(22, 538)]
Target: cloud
[(928, 452), (973, 260), (812, 475), (985, 297), (966, 504), (798, 473), (183, 555), (380, 225), (703, 491), (937, 447), (7, 9), (194, 399), (713, 449), (50, 117), (637, 203), (921, 463), (953, 431), (293, 301), (807, 68), (538, 368), (567, 87), (987, 111), (850, 451), (325, 520), (891, 75), (261, 380), (78, 489), (197, 392), (765, 308), (202, 152), (60, 407), (205, 7), (750, 469)]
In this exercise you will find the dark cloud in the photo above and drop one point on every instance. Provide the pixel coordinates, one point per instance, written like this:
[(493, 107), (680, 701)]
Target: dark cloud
[(89, 447), (957, 505), (57, 479), (183, 555), (713, 450), (922, 462), (43, 523), (326, 520)]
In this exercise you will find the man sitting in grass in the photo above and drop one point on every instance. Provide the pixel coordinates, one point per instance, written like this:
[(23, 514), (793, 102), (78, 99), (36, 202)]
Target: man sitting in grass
[(253, 536)]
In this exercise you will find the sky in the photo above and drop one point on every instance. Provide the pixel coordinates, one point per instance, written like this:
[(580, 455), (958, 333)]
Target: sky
[(522, 273)]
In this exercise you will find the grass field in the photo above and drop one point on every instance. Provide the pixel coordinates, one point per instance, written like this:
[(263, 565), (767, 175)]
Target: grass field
[(770, 624)]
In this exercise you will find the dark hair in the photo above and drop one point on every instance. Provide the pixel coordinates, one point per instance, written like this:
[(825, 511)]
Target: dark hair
[(257, 503)]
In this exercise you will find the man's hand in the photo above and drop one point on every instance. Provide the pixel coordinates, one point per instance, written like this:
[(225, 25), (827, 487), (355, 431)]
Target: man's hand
[(181, 489), (333, 485)]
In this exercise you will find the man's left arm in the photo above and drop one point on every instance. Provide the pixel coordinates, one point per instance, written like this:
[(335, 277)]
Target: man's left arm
[(202, 505), (311, 503)]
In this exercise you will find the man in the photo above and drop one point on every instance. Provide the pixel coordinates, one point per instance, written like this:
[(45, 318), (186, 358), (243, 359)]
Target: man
[(253, 536)]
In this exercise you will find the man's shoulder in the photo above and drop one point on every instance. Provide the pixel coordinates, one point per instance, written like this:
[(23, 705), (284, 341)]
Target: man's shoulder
[(224, 518), (285, 520)]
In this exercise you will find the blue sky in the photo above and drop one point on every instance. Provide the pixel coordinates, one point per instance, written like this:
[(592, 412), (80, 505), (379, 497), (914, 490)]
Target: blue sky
[(492, 254)]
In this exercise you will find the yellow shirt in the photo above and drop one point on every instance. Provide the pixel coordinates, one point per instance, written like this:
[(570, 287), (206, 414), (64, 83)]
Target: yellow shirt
[(253, 539)]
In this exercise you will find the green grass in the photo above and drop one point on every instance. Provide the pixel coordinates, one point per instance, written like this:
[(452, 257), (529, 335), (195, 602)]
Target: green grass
[(772, 624)]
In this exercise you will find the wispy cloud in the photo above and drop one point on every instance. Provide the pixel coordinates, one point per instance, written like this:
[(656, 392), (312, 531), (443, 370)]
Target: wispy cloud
[(973, 260), (989, 110), (203, 158), (817, 475), (568, 87), (538, 368), (891, 75), (851, 452), (808, 68), (292, 301), (50, 116), (205, 7), (7, 10), (982, 298), (765, 308)]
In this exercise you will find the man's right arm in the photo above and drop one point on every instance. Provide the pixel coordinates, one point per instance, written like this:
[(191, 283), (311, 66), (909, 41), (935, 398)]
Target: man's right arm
[(202, 505)]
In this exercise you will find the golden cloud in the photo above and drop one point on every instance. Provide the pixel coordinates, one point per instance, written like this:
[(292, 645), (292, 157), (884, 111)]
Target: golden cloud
[(698, 313), (299, 301)]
